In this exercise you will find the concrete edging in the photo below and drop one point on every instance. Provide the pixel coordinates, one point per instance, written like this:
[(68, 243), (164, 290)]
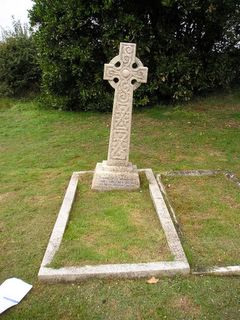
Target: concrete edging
[(220, 271), (135, 270)]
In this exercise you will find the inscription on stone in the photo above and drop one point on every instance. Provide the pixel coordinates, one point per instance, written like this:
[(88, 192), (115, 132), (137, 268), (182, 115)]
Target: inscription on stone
[(125, 73), (110, 182)]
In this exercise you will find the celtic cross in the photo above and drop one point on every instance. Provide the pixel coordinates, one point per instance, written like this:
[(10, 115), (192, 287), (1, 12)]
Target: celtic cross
[(125, 73)]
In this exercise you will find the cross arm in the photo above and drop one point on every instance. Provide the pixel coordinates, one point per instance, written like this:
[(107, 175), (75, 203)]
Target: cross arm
[(110, 72), (140, 74)]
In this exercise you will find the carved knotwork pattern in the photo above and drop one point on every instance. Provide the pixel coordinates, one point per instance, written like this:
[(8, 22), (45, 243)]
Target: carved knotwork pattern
[(120, 133), (120, 72)]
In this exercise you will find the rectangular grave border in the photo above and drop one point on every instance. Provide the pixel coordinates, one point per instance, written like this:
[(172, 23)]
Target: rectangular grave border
[(215, 270), (180, 264)]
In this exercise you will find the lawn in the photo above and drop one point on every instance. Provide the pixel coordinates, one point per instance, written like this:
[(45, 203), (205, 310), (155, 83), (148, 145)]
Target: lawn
[(39, 151), (112, 227)]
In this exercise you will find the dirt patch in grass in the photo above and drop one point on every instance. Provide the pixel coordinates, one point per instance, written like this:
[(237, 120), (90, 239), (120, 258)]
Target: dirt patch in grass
[(207, 209), (112, 227), (6, 196), (185, 305), (233, 124)]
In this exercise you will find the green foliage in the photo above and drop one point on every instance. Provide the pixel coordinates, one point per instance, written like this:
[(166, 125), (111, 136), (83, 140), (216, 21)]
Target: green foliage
[(19, 70), (189, 47)]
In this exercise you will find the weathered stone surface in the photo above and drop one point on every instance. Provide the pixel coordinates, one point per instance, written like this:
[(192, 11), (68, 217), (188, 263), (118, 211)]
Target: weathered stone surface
[(125, 73), (62, 219), (134, 270), (220, 271), (115, 177)]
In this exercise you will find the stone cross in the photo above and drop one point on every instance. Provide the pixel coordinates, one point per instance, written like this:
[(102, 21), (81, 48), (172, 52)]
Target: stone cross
[(125, 73)]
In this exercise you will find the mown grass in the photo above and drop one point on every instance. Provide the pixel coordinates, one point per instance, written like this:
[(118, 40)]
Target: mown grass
[(112, 227), (39, 150), (207, 209)]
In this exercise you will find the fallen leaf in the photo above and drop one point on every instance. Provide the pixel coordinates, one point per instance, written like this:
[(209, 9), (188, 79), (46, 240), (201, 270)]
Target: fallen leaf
[(152, 280)]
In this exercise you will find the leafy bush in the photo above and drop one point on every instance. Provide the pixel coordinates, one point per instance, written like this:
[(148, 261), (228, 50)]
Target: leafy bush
[(189, 46), (19, 70)]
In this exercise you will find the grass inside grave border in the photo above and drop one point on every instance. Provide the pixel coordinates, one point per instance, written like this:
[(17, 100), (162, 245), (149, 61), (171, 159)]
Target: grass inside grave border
[(117, 226), (212, 216)]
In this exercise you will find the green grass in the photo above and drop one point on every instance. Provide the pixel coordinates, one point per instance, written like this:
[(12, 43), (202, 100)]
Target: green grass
[(207, 210), (39, 150), (112, 227)]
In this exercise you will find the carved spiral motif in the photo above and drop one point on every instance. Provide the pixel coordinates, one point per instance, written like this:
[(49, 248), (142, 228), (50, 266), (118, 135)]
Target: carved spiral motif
[(123, 92)]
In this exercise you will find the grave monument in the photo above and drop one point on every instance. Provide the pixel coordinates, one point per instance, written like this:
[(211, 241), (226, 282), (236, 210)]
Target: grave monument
[(125, 73)]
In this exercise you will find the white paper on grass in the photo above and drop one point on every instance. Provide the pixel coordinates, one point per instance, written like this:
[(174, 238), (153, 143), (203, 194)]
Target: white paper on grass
[(12, 291)]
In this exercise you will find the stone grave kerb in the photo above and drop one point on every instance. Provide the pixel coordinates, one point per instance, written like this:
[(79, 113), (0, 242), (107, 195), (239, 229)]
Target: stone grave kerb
[(125, 73)]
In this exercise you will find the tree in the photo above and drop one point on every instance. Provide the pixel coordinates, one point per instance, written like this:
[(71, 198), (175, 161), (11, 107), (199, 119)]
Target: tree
[(189, 46), (19, 69)]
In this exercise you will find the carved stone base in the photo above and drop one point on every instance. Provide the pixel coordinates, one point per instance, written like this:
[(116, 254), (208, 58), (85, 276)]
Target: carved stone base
[(115, 177)]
